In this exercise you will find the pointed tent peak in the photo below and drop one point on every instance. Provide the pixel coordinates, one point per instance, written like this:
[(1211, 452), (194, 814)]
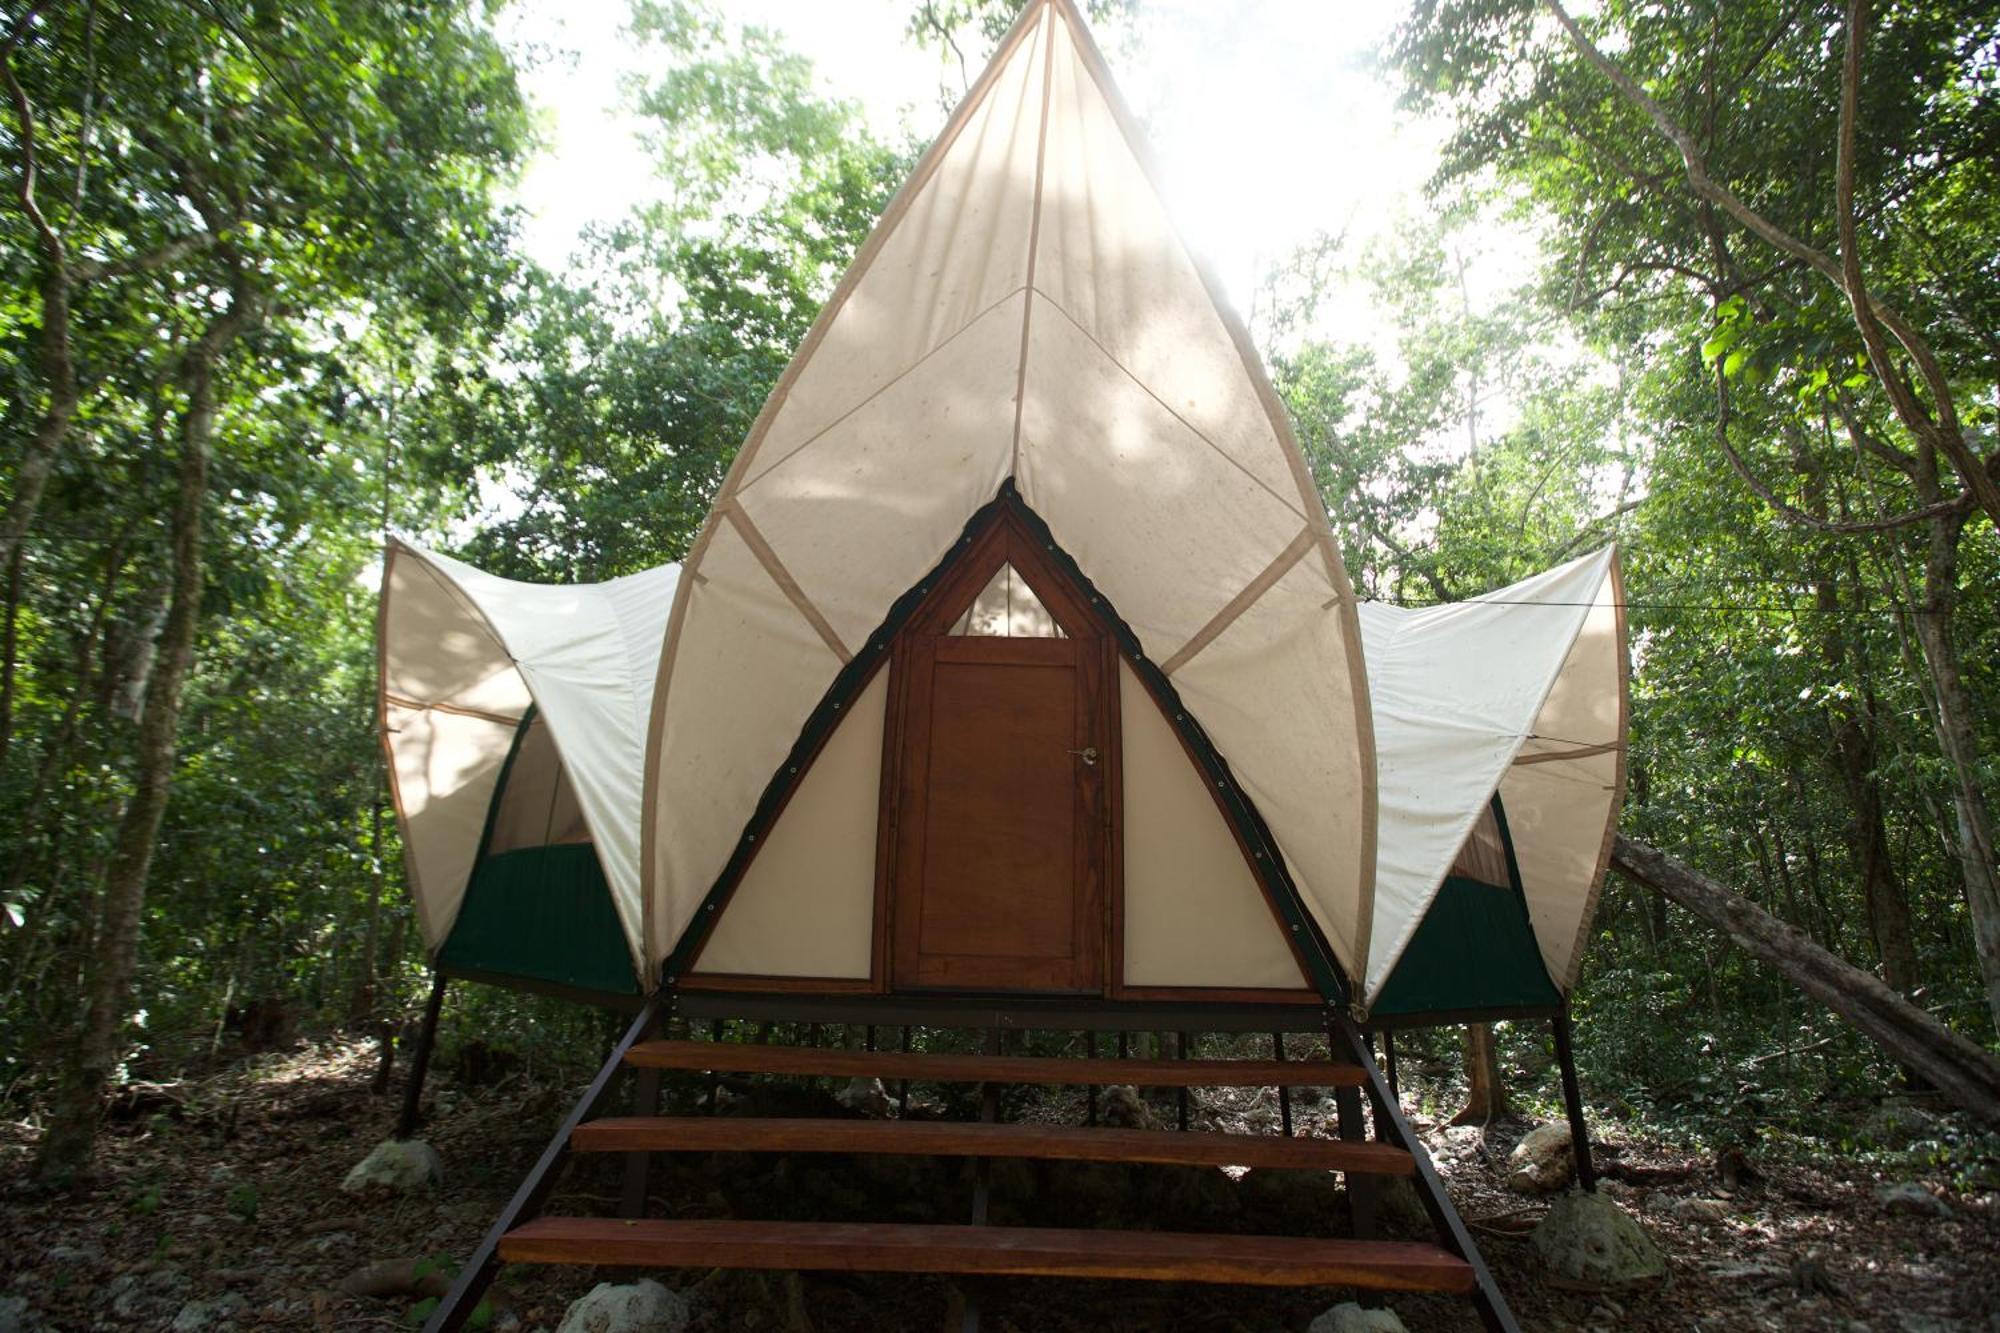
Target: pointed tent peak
[(1024, 309)]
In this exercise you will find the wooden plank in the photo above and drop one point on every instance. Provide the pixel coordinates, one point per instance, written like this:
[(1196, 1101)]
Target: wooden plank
[(870, 1247), (929, 1138), (731, 1058)]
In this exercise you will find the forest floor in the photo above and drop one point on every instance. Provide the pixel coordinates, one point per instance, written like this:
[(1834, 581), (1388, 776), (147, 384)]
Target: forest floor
[(217, 1205)]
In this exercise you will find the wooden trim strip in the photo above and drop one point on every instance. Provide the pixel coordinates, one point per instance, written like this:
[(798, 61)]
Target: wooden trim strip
[(733, 1058), (1616, 577), (456, 709), (1047, 1143), (1580, 752), (781, 576), (1294, 551), (884, 1247)]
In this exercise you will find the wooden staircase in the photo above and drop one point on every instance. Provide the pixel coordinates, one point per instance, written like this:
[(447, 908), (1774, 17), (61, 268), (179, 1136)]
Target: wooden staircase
[(977, 1249)]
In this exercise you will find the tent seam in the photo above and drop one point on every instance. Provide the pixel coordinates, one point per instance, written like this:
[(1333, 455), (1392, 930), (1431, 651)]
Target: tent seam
[(773, 566), (892, 217), (1034, 234), (1165, 406), (887, 385), (1248, 597)]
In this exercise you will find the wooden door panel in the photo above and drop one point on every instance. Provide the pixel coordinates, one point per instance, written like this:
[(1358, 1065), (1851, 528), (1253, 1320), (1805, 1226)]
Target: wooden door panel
[(997, 848), (1000, 823)]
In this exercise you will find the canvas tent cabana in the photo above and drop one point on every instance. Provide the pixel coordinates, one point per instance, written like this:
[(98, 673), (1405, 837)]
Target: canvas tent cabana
[(512, 715), (1014, 681), (1499, 724), (1500, 730)]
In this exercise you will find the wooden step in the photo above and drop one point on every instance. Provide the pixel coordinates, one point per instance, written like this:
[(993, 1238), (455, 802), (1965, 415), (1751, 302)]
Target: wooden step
[(871, 1247), (734, 1058), (930, 1138)]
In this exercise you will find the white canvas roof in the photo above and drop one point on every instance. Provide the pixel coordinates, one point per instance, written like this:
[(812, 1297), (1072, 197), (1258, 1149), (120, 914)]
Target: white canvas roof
[(1024, 309), (463, 654), (1521, 691)]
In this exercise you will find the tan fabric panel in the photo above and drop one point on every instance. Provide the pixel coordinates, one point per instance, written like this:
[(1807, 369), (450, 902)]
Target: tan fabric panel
[(876, 501), (539, 806), (1194, 913), (1111, 257), (959, 248), (1275, 696), (1132, 416), (1146, 495), (1560, 812), (806, 906), (751, 671), (444, 766), (445, 652)]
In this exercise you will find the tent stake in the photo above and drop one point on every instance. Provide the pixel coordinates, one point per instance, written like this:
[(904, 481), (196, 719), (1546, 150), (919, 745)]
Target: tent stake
[(1579, 1134), (420, 1063)]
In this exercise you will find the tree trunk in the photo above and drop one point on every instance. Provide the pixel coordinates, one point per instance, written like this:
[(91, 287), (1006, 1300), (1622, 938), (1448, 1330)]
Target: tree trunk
[(1485, 1094), (114, 952), (38, 457), (1953, 715), (1955, 1066), (1854, 749)]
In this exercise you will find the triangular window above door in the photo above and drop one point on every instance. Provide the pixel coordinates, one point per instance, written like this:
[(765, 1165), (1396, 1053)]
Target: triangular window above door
[(1007, 608)]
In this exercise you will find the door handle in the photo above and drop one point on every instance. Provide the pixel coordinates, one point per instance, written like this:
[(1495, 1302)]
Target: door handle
[(1089, 753)]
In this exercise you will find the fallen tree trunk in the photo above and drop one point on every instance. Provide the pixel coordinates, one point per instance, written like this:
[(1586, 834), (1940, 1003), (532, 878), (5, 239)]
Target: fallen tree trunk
[(1957, 1067)]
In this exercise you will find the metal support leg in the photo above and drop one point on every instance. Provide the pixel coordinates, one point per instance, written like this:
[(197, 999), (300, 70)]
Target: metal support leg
[(1579, 1134), (982, 1174), (1344, 1042), (1181, 1053), (903, 1089), (645, 1101), (462, 1300), (714, 1076), (420, 1063), (1090, 1049), (1284, 1089)]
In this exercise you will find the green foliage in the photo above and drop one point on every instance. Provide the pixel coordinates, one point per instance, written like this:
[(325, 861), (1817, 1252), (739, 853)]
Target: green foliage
[(242, 1202)]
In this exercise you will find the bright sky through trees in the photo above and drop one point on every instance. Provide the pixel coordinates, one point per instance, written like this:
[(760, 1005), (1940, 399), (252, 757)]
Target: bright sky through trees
[(1267, 117)]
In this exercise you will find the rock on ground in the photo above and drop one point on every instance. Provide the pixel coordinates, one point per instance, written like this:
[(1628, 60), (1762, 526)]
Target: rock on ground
[(867, 1096), (1912, 1198), (205, 1316), (1120, 1105), (1348, 1317), (15, 1317), (1543, 1162), (639, 1307), (1588, 1241), (396, 1167)]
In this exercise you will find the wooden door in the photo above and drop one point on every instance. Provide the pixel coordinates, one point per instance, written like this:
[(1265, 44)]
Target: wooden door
[(1004, 755)]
